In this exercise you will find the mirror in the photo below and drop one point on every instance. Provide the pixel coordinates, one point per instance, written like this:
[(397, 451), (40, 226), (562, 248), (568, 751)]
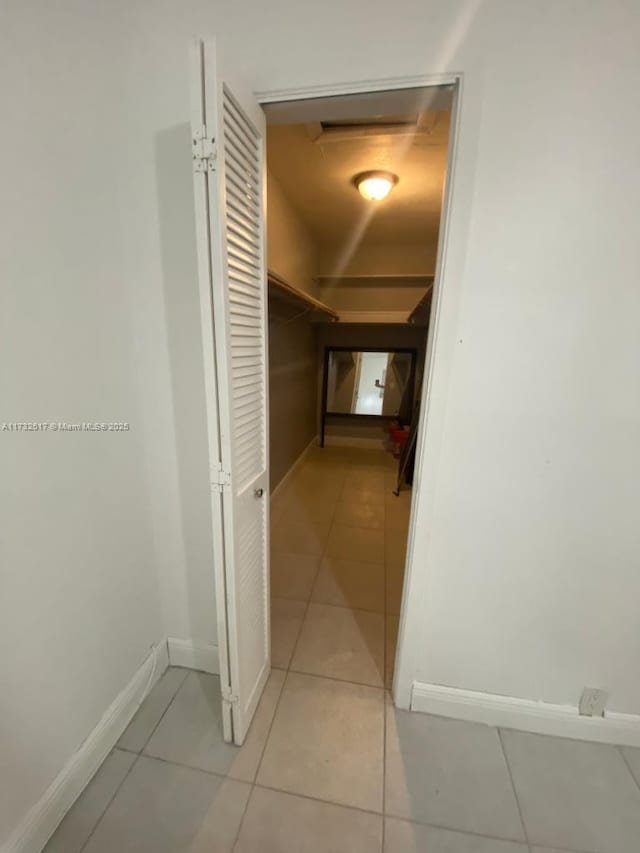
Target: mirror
[(369, 382)]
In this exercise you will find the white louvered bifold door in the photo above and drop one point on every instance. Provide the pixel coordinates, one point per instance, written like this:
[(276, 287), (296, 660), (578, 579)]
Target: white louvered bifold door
[(228, 156)]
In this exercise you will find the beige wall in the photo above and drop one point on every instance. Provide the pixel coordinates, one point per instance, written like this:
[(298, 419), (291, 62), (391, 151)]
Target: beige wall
[(345, 377), (363, 336), (380, 258), (290, 249), (398, 374), (293, 391), (371, 295), (293, 371)]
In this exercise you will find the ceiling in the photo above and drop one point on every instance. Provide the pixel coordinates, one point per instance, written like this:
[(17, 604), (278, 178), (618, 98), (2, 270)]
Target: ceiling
[(315, 167)]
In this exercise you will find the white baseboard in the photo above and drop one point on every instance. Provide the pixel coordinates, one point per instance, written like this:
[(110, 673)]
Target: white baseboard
[(279, 489), (275, 501), (41, 821), (525, 715), (354, 441), (201, 656)]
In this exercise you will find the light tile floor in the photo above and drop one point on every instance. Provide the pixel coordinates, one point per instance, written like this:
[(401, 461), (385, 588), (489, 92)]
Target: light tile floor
[(338, 546), (329, 765)]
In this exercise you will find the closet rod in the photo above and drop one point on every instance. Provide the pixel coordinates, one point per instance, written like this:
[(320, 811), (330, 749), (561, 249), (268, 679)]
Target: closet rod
[(291, 292)]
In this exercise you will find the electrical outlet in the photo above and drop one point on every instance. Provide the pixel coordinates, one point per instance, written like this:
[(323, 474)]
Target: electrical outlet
[(592, 702)]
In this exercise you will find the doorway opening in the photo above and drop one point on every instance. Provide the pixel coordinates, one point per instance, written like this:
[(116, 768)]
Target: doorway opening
[(314, 399), (371, 368), (350, 292)]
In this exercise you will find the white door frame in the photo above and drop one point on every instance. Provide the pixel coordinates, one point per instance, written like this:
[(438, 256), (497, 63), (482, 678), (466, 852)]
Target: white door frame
[(431, 409)]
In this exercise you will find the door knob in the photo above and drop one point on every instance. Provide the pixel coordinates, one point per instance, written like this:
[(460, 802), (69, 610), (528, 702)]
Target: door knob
[(258, 492)]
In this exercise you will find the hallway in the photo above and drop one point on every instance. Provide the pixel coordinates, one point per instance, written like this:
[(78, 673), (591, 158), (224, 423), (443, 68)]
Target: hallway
[(329, 765), (337, 565)]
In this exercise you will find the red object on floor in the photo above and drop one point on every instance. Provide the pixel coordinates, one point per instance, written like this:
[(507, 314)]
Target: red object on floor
[(398, 440), (399, 436)]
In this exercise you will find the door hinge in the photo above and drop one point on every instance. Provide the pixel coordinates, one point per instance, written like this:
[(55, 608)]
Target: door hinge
[(231, 698), (204, 151), (219, 477)]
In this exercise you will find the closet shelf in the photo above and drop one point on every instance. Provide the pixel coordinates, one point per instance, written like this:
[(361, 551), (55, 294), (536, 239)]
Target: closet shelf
[(416, 316), (291, 294), (420, 314), (381, 280), (375, 318)]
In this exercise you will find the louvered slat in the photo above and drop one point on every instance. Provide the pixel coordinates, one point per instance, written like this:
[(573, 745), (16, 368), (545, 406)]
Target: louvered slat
[(246, 293), (239, 219)]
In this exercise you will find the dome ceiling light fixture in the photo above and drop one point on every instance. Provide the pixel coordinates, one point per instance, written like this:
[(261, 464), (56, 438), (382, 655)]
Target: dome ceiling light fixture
[(375, 185)]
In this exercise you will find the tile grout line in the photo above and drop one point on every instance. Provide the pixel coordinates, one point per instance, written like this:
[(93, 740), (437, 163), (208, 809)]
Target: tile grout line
[(324, 555), (384, 580), (336, 680), (315, 578), (236, 837), (108, 806), (385, 655), (444, 827), (386, 663), (289, 670), (318, 800), (384, 768), (302, 621), (284, 682), (252, 785), (266, 739), (405, 532), (195, 768), (169, 704), (558, 849), (457, 831), (513, 787), (131, 752), (384, 636), (327, 603), (288, 667), (383, 815)]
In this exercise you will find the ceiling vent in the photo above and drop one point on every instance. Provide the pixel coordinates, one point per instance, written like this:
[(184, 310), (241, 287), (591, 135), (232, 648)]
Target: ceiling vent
[(348, 129)]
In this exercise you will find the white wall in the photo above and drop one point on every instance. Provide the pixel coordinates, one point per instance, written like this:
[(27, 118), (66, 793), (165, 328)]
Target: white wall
[(525, 575), (102, 535), (530, 584), (183, 504), (526, 535), (79, 596)]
